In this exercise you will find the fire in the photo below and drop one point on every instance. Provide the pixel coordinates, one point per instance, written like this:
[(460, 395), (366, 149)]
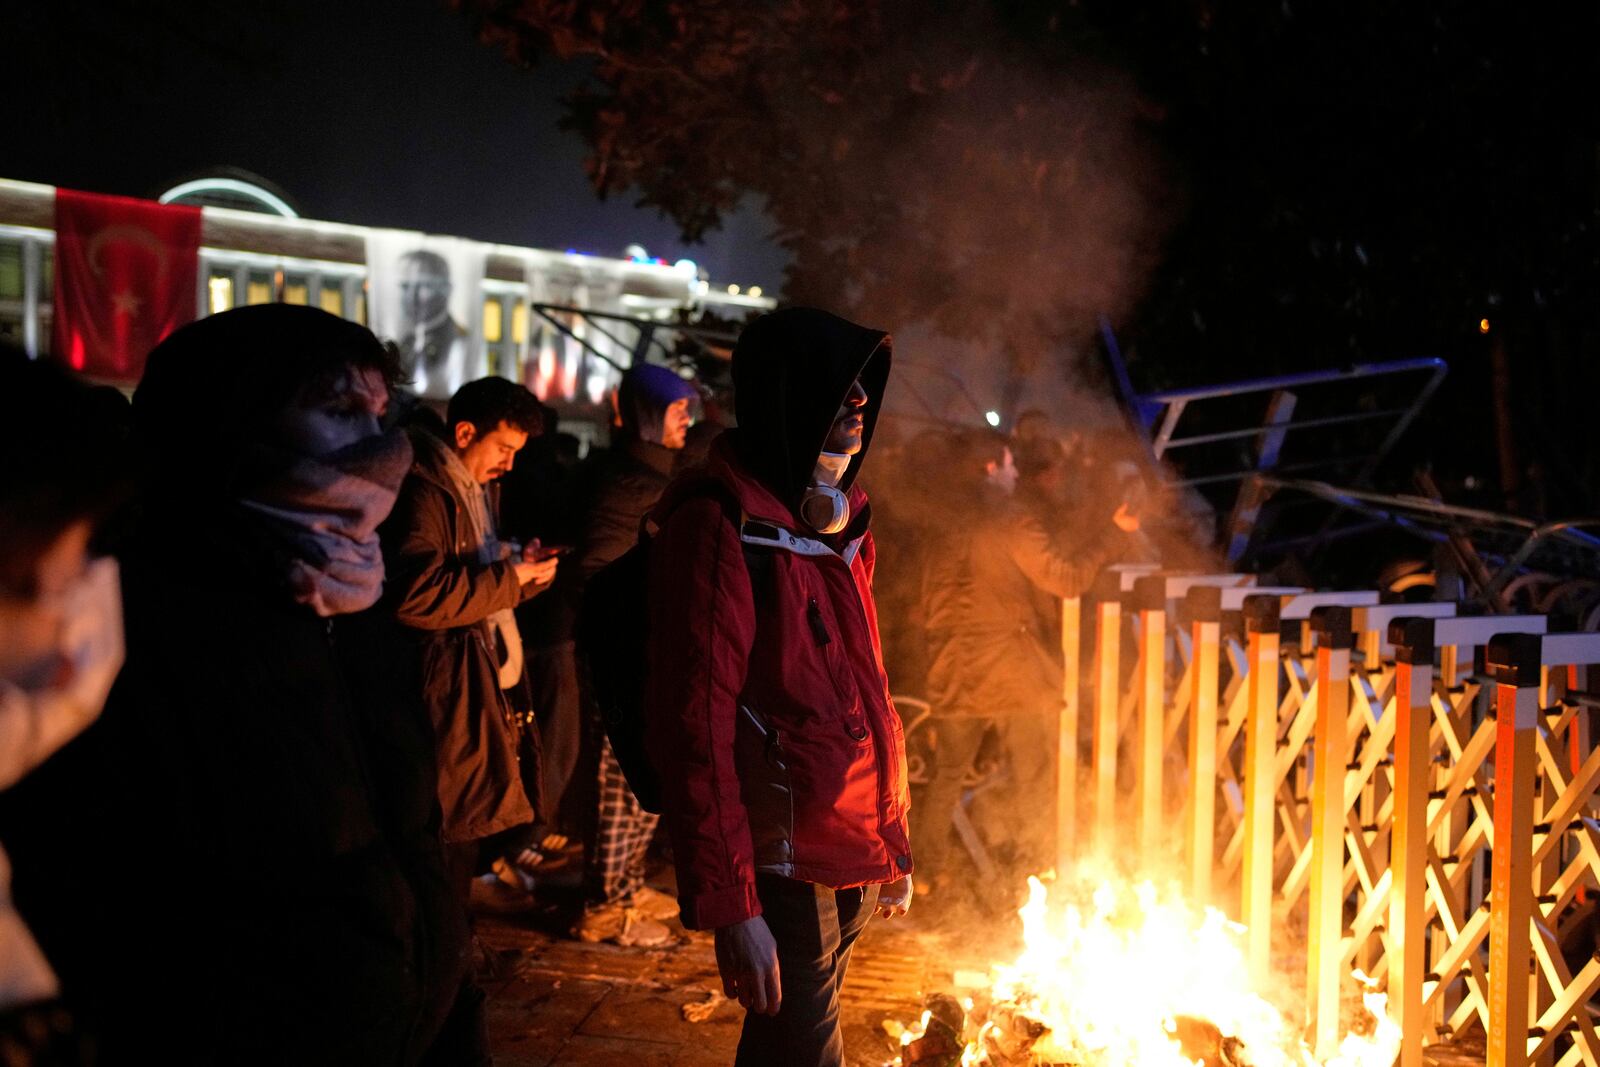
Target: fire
[(1131, 976)]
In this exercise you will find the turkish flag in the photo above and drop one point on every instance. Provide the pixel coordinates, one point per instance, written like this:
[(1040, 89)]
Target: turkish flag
[(125, 278)]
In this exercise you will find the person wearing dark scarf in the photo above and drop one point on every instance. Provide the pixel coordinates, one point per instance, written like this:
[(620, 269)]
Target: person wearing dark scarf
[(262, 778)]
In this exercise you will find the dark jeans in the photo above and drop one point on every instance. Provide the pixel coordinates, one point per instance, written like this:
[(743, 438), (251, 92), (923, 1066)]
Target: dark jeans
[(553, 678), (815, 928)]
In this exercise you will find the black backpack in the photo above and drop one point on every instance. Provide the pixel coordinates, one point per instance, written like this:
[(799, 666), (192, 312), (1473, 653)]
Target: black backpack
[(612, 630)]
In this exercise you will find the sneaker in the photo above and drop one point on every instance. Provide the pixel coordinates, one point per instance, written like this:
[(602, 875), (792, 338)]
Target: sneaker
[(491, 896), (640, 931), (513, 875), (620, 925), (654, 904)]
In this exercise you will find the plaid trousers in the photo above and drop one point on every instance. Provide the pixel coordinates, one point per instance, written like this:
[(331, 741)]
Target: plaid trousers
[(614, 858)]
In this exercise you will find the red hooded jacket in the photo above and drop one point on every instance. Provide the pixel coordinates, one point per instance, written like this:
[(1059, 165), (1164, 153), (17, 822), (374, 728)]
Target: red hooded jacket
[(767, 709)]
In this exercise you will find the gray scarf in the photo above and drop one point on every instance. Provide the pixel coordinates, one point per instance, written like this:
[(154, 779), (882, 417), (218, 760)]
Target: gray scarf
[(325, 511), (487, 548)]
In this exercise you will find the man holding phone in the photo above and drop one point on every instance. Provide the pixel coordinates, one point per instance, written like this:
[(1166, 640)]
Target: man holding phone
[(652, 424), (454, 585)]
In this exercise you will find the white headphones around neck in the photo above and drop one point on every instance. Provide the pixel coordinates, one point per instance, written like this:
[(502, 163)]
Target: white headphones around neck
[(823, 507)]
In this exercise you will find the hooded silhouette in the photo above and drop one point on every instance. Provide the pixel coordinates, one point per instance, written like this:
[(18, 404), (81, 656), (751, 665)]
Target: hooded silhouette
[(791, 371)]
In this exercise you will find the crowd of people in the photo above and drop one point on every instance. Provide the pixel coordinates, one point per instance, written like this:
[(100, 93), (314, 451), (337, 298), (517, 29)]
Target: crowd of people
[(291, 682)]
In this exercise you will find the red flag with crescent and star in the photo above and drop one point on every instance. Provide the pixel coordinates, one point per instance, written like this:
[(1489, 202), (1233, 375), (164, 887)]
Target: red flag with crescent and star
[(126, 272)]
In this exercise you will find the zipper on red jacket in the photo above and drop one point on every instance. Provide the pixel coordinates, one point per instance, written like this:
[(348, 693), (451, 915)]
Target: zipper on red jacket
[(819, 629), (891, 755), (858, 730), (888, 756)]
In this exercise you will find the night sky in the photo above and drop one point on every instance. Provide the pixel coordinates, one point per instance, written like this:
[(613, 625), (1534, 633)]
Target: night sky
[(378, 114)]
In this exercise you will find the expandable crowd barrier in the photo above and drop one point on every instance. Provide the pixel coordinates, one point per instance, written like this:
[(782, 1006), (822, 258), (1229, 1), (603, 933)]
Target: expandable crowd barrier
[(1424, 784)]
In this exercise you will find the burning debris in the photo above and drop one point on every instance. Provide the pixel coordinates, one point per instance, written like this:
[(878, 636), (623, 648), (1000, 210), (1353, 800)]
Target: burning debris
[(1128, 977)]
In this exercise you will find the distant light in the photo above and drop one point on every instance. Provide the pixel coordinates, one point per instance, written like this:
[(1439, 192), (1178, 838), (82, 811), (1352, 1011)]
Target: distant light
[(755, 290), (992, 418), (733, 290), (1483, 325), (687, 266)]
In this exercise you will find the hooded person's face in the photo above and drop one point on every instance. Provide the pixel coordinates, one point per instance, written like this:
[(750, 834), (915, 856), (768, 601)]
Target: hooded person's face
[(844, 436), (323, 421)]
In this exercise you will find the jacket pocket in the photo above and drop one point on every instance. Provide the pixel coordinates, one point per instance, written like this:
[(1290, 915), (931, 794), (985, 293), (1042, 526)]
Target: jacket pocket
[(837, 669), (764, 787)]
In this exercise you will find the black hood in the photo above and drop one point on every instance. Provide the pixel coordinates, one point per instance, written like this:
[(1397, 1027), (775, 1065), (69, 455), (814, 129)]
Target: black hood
[(791, 371)]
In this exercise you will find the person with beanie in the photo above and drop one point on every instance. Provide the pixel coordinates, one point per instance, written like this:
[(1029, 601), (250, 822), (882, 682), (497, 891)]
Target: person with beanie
[(653, 417)]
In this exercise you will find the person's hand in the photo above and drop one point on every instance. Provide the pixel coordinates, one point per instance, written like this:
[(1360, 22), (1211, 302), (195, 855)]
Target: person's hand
[(748, 959), (894, 899), (1126, 518), (536, 572)]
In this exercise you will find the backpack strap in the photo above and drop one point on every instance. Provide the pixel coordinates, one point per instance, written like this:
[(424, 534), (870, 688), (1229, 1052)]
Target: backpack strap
[(757, 557)]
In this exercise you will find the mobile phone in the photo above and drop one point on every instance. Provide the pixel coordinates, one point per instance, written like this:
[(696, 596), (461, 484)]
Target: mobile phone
[(544, 552)]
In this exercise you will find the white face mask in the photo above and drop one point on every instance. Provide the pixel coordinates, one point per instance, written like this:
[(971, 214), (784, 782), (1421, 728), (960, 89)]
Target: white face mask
[(823, 507), (45, 705)]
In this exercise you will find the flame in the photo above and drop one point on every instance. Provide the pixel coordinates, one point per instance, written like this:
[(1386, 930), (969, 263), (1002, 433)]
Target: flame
[(1119, 978)]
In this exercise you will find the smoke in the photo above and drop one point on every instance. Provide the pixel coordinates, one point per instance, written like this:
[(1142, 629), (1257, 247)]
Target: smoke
[(995, 189), (1007, 192)]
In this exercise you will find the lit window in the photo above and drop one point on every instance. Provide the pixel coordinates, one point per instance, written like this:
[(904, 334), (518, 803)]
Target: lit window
[(331, 299), (10, 271), (297, 292), (492, 315), (258, 290), (219, 293), (361, 306), (519, 323)]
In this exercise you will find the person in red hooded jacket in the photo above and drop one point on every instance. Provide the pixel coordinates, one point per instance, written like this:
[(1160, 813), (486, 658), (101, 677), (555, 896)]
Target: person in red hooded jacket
[(767, 710)]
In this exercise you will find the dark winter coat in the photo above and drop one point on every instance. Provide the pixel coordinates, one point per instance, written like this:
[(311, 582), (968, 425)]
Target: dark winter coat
[(243, 863), (767, 709), (444, 597), (615, 489), (629, 480), (989, 652)]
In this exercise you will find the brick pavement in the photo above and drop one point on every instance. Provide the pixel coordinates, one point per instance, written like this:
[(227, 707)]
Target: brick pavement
[(553, 1000), (556, 1001)]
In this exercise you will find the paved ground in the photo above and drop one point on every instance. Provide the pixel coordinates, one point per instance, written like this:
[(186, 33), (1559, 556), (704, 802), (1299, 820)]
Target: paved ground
[(558, 1001), (553, 1000)]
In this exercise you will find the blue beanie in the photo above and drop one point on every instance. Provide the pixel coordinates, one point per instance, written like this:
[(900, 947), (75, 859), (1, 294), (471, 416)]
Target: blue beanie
[(647, 390)]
